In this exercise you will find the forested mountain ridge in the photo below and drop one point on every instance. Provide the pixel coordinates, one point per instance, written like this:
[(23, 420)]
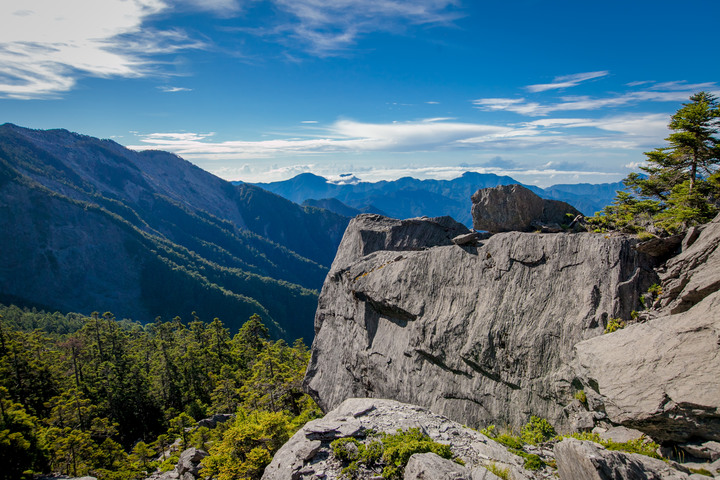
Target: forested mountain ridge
[(92, 225), (410, 197)]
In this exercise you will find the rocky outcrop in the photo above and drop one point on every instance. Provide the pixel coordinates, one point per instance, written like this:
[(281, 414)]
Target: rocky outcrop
[(189, 466), (695, 273), (479, 334), (578, 460), (515, 208), (307, 455), (661, 377)]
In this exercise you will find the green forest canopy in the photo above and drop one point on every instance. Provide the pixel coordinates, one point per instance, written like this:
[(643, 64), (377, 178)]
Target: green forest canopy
[(96, 396)]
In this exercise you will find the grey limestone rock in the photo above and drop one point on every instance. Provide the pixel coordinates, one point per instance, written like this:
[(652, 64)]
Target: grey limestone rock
[(621, 434), (189, 462), (580, 460), (660, 377), (705, 450), (515, 208), (307, 455), (212, 422), (429, 466), (480, 334), (695, 273)]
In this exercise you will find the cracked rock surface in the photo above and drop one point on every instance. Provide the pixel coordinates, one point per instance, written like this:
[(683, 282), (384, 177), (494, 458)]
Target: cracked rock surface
[(480, 334), (663, 377), (308, 456)]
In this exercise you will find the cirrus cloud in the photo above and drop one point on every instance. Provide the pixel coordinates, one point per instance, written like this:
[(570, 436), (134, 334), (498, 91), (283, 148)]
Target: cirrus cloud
[(46, 45)]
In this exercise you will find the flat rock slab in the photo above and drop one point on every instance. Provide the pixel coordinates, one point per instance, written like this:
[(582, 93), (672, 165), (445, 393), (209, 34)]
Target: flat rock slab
[(580, 460)]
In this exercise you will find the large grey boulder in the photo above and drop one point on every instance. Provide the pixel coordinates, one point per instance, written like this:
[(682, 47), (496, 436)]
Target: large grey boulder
[(479, 334), (579, 460), (695, 273), (307, 455), (429, 466), (189, 462), (661, 377), (508, 208)]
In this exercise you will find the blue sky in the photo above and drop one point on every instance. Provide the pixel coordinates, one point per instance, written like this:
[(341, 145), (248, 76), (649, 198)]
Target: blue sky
[(260, 90)]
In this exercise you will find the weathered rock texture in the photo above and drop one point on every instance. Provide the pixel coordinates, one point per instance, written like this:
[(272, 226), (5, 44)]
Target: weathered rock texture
[(695, 273), (480, 334), (515, 208), (662, 377), (307, 455), (578, 460)]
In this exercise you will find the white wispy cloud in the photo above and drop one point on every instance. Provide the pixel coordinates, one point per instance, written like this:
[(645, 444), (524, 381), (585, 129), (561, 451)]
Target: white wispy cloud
[(580, 103), (566, 81), (46, 45), (169, 89), (330, 27), (429, 135)]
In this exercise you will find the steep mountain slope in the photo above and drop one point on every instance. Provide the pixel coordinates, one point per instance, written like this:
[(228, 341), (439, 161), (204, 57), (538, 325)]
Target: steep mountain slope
[(94, 226), (409, 197)]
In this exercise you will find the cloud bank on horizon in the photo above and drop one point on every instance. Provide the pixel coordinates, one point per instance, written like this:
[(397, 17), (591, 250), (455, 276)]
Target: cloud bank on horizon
[(261, 90)]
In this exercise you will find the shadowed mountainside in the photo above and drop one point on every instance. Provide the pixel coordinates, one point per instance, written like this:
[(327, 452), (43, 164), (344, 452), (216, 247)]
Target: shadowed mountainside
[(92, 225)]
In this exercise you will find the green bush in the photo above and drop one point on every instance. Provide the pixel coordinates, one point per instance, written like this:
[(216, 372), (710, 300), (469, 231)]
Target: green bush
[(500, 472), (537, 430), (580, 395), (613, 325), (346, 449), (392, 452), (639, 445), (533, 462)]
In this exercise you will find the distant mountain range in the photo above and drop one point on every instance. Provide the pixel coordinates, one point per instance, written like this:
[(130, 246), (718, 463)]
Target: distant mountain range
[(90, 225), (409, 197)]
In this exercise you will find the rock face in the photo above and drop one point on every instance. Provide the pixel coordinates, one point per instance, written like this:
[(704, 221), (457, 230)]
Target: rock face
[(695, 273), (578, 460), (479, 334), (661, 377), (307, 455), (515, 208)]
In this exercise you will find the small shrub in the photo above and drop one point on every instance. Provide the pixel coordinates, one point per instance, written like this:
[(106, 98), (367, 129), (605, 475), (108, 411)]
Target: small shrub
[(503, 473), (489, 431), (401, 446), (639, 445), (655, 289), (510, 441), (392, 452), (537, 430), (613, 325), (701, 471), (533, 462), (580, 395), (346, 449)]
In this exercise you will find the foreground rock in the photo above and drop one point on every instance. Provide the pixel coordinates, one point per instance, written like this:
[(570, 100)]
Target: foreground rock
[(695, 273), (307, 455), (578, 460), (661, 377), (480, 334), (509, 208)]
